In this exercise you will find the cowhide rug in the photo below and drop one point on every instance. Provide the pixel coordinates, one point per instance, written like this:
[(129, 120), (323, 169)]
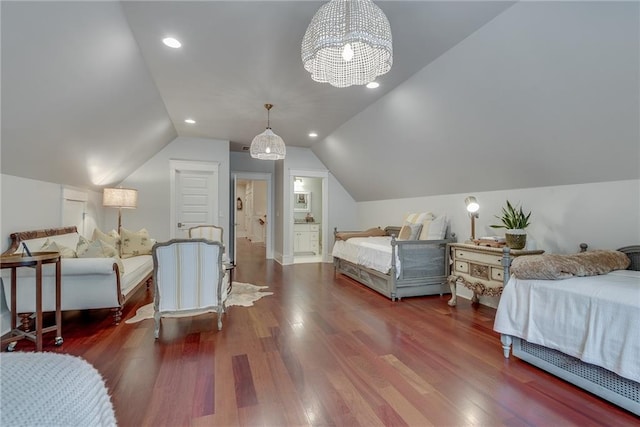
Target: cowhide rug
[(242, 294)]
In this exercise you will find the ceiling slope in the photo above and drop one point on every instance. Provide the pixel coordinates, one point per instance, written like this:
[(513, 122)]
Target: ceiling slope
[(546, 94), (90, 85), (78, 104)]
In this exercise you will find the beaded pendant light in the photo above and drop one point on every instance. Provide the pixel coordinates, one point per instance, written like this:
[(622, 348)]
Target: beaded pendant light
[(348, 42), (268, 145)]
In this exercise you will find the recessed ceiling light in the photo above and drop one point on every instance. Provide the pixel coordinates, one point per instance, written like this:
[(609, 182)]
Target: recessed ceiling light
[(190, 121), (313, 134), (171, 42), (373, 85)]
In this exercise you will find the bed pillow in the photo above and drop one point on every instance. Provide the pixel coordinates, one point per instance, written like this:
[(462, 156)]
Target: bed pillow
[(135, 243), (417, 218), (424, 232), (409, 231), (52, 246), (436, 230), (557, 266)]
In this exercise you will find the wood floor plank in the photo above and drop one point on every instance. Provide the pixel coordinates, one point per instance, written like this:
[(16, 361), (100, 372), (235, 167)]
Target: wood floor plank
[(245, 390), (323, 350)]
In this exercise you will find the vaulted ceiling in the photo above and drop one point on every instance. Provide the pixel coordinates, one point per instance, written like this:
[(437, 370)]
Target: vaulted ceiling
[(483, 95), (91, 86)]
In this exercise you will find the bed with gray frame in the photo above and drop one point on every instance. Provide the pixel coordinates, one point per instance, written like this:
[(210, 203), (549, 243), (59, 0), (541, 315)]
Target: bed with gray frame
[(422, 271), (623, 391)]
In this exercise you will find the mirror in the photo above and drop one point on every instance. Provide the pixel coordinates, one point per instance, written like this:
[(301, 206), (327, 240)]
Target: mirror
[(302, 201)]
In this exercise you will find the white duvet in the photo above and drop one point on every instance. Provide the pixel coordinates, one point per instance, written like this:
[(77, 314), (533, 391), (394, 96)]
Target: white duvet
[(596, 318), (370, 252)]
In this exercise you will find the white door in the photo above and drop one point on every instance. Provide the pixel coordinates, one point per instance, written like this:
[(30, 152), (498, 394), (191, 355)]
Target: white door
[(194, 195), (74, 208)]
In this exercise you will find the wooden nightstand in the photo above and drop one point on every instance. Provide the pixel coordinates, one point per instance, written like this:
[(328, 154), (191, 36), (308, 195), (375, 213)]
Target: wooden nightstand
[(479, 268)]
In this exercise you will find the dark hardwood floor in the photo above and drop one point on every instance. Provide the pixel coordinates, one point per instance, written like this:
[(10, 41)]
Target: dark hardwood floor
[(322, 351)]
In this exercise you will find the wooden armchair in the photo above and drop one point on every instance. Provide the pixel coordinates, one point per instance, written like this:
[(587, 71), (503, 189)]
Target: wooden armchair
[(189, 276)]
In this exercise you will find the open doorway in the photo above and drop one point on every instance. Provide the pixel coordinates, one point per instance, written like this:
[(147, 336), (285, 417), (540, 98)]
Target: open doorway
[(252, 218), (309, 220)]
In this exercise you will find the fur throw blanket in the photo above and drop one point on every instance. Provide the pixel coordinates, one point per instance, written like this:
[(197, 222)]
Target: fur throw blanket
[(556, 266), (372, 232)]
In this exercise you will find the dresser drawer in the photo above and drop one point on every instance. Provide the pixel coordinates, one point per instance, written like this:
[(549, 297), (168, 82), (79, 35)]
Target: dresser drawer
[(461, 267), (479, 271), (478, 257), (497, 274)]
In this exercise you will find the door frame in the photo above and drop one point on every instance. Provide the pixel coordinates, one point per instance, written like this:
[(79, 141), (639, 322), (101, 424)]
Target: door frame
[(193, 166), (288, 246), (254, 176)]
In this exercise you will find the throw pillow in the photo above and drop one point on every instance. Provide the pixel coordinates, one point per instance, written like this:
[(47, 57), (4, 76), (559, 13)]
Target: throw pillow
[(135, 243), (111, 238), (409, 231), (83, 244), (424, 233), (98, 249), (53, 246)]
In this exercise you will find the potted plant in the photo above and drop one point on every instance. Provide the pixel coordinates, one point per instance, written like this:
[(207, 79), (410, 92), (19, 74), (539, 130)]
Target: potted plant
[(514, 220)]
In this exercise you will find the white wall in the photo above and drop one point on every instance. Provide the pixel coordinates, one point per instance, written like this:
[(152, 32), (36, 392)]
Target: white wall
[(152, 180), (28, 204), (243, 162), (604, 215)]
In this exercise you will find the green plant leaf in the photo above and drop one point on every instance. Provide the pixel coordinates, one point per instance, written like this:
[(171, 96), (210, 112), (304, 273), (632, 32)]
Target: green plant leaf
[(512, 218)]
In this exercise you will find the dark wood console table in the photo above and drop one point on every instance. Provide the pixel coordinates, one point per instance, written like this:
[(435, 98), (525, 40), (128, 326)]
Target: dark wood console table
[(36, 260)]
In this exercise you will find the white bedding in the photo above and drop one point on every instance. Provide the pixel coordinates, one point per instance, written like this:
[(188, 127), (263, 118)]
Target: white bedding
[(370, 252), (595, 319)]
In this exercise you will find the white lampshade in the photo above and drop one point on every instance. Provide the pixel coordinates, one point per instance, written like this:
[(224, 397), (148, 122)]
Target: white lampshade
[(348, 42), (268, 145), (120, 198)]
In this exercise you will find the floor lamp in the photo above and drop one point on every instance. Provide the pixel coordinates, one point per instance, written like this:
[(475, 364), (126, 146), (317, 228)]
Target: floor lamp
[(121, 198)]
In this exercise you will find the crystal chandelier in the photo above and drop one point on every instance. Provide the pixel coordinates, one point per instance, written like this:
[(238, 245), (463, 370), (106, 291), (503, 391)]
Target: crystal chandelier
[(348, 42), (268, 145)]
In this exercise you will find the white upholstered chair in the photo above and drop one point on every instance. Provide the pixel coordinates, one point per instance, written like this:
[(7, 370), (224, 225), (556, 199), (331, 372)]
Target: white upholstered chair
[(215, 233), (189, 276), (210, 232)]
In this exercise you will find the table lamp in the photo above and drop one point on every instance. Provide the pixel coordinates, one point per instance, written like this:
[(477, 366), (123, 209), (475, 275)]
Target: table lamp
[(472, 208)]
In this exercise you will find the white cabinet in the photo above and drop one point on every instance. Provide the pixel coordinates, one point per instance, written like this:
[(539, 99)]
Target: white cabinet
[(306, 238)]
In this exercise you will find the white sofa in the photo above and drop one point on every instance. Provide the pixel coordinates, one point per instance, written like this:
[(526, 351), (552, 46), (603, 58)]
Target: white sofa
[(87, 283)]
